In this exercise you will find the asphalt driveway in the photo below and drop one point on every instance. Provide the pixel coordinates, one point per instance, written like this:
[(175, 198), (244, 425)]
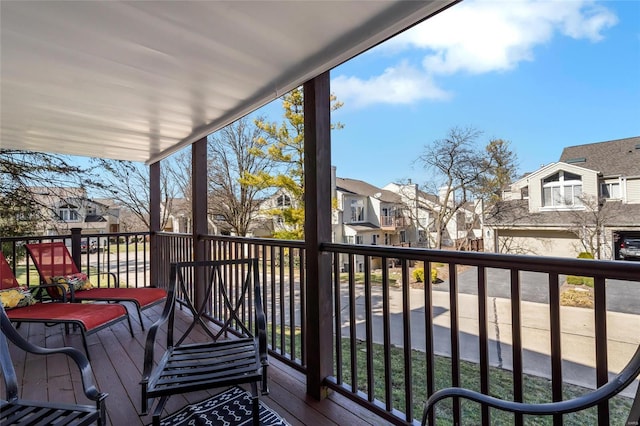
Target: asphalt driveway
[(622, 296)]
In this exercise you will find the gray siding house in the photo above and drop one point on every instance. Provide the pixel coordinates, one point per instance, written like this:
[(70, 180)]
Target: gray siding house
[(587, 201)]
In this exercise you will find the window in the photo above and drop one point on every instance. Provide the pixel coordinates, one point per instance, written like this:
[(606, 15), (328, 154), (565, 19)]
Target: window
[(403, 236), (348, 239), (374, 239), (562, 189), (283, 200), (357, 211), (610, 190), (359, 239), (68, 213)]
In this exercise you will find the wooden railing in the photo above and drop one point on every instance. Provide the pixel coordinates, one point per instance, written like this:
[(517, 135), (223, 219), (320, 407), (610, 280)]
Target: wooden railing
[(396, 338)]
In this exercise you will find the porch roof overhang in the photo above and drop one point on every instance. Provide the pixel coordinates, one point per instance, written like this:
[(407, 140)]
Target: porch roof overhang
[(140, 80)]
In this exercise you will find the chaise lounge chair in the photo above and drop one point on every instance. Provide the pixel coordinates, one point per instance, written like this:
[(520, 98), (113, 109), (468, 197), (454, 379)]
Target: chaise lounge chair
[(53, 260), (15, 410), (21, 306)]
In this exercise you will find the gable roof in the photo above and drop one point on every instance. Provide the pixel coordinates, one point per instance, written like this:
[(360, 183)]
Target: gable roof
[(619, 157), (515, 213), (359, 187)]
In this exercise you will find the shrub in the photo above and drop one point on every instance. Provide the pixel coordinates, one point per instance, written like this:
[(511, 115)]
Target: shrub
[(418, 275), (577, 280), (585, 255)]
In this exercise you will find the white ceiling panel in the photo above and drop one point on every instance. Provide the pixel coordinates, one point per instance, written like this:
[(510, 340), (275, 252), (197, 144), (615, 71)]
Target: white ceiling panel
[(139, 80)]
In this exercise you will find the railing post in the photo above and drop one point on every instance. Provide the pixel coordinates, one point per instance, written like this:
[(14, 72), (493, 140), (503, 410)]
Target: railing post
[(155, 274), (76, 236), (199, 213), (317, 183)]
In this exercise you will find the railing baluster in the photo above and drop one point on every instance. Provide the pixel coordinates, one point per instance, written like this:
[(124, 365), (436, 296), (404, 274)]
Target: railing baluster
[(516, 344), (337, 309), (281, 303), (303, 308), (556, 346), (386, 328), (292, 306), (455, 340), (353, 325), (483, 336), (428, 329), (368, 317), (602, 365), (406, 327)]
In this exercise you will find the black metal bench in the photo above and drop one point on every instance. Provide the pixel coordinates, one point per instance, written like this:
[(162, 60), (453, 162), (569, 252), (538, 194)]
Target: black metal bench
[(236, 349), (14, 410)]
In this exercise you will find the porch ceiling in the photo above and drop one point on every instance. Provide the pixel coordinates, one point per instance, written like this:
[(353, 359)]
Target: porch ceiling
[(139, 80)]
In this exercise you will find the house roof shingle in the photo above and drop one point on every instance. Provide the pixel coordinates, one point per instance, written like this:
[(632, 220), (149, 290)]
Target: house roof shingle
[(611, 158), (359, 187), (515, 213)]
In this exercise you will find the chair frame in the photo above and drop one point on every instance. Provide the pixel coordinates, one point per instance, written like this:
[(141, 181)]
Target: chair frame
[(87, 294), (248, 361), (14, 409)]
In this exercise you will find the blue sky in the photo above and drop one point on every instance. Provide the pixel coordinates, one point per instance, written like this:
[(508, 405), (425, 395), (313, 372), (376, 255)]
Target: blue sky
[(540, 74)]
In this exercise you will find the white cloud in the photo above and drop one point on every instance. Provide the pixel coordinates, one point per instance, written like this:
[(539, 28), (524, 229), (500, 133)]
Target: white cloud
[(473, 37), (402, 84)]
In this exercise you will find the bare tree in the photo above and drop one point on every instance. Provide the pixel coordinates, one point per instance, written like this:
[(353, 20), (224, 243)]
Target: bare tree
[(233, 161), (127, 183), (458, 167), (23, 175), (588, 224)]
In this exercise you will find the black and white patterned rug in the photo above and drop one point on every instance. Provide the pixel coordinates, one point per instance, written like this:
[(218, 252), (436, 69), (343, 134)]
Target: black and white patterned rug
[(230, 408)]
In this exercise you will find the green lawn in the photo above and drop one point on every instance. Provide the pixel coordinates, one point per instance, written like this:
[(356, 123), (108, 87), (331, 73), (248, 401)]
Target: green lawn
[(536, 389)]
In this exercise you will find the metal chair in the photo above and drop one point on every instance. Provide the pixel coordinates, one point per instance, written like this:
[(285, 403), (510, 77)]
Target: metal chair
[(236, 349), (14, 410)]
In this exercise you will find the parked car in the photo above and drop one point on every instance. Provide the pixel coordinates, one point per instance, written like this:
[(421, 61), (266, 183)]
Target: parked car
[(89, 246), (630, 248)]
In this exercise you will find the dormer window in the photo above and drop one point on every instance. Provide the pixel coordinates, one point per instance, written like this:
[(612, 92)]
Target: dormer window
[(68, 213), (562, 189)]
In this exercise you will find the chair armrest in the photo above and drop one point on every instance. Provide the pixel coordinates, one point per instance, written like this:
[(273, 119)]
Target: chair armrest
[(37, 289), (603, 393), (261, 324), (167, 313), (78, 357), (110, 276)]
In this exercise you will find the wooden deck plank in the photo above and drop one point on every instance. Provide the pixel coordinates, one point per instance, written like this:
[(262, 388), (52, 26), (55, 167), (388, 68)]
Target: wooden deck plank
[(117, 361)]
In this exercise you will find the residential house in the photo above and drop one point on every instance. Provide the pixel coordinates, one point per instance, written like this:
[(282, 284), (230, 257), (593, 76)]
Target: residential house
[(366, 214), (586, 201), (62, 209), (465, 226)]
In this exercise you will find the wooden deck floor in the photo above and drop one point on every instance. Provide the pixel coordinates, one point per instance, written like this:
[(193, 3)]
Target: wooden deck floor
[(116, 359)]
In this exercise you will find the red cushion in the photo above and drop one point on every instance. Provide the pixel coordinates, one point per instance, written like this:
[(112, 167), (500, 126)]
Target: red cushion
[(144, 296), (90, 315)]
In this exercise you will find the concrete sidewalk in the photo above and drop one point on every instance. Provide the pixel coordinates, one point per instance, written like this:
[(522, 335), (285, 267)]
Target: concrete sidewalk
[(577, 341)]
